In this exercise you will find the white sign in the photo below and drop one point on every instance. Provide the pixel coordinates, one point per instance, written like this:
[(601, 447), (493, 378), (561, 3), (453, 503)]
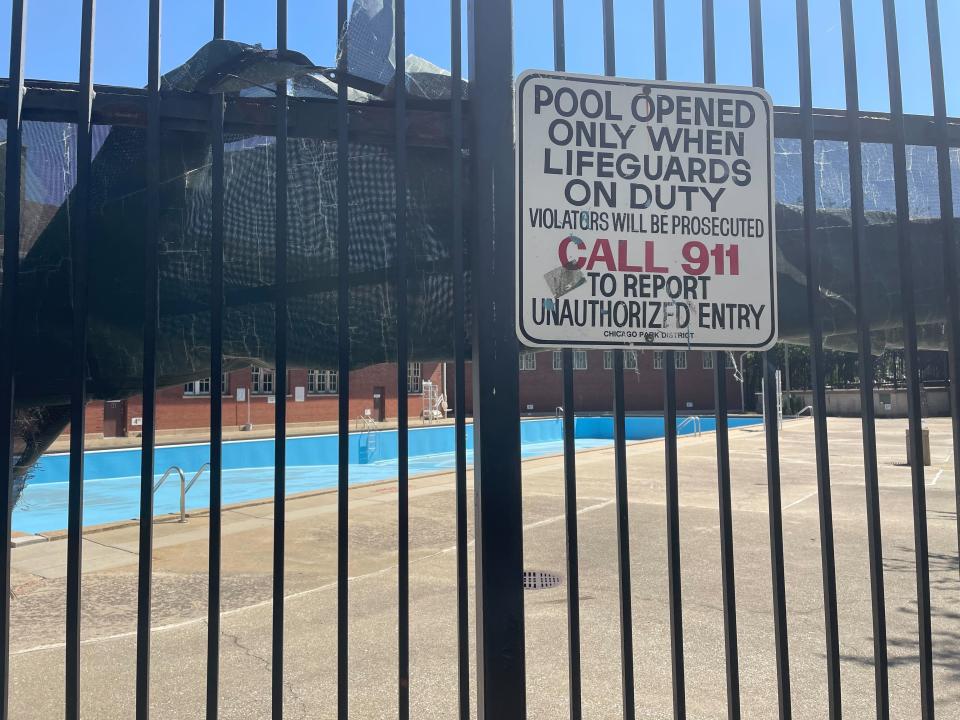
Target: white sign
[(299, 394), (645, 214), (241, 394)]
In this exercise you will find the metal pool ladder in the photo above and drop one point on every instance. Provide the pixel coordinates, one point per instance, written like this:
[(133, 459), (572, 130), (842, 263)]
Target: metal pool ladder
[(697, 424), (184, 485)]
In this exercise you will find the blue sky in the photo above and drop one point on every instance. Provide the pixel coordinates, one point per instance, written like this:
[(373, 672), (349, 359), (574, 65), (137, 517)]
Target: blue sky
[(54, 28)]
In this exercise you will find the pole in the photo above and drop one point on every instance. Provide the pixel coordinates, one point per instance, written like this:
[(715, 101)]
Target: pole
[(501, 682), (786, 373)]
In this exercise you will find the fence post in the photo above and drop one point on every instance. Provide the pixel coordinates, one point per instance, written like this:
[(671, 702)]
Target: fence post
[(496, 409)]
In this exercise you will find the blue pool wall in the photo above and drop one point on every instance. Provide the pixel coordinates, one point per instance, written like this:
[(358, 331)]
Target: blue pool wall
[(365, 447)]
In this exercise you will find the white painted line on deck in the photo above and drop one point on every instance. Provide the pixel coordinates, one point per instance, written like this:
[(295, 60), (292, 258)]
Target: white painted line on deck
[(797, 502), (292, 596)]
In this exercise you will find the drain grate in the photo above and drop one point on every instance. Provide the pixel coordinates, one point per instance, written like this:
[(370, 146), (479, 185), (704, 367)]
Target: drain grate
[(540, 580)]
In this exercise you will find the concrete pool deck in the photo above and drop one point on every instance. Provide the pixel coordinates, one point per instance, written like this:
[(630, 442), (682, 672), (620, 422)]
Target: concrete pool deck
[(180, 592), (202, 435)]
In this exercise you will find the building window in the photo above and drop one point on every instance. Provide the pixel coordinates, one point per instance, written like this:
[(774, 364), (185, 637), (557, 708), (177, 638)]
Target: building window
[(679, 359), (414, 378), (202, 387), (321, 381), (731, 364), (528, 361), (261, 382), (708, 361), (579, 359), (557, 359), (197, 387), (629, 359)]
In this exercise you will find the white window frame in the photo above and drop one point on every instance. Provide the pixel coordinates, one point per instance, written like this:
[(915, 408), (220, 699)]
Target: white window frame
[(197, 387), (680, 359), (630, 359), (322, 382), (558, 360), (528, 360), (658, 356), (707, 361), (263, 381), (414, 378), (579, 359)]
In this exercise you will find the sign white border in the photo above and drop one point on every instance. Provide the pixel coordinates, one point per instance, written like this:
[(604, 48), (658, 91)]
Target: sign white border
[(524, 337)]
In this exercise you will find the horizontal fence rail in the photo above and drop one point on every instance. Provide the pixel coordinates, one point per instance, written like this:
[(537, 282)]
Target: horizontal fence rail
[(475, 134), (47, 101)]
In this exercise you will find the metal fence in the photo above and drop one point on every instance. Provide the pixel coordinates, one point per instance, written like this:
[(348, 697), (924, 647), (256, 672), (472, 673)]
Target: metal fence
[(498, 527)]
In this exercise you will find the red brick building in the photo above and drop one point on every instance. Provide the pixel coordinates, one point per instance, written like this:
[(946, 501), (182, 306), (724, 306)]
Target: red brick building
[(248, 395), (249, 398), (541, 381)]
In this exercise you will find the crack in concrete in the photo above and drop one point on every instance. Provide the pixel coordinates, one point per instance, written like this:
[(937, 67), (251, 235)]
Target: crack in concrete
[(249, 652), (111, 547)]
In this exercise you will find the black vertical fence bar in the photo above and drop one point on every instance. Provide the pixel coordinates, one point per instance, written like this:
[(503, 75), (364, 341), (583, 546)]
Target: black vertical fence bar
[(827, 561), (948, 230), (216, 385), (498, 526), (726, 538), (774, 504), (773, 450), (723, 448), (673, 534), (150, 323), (620, 460), (623, 538), (79, 248), (572, 548), (80, 238), (8, 313), (569, 457), (659, 40), (867, 413), (343, 365), (723, 451), (911, 364), (219, 19), (459, 357), (280, 379), (670, 446), (403, 522)]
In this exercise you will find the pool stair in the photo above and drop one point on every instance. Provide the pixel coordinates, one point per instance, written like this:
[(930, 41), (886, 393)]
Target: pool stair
[(368, 446)]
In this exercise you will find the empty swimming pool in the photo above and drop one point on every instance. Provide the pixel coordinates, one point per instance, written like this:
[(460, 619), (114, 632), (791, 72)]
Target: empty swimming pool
[(112, 477)]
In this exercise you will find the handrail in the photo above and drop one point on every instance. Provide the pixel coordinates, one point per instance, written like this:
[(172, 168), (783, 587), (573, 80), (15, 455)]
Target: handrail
[(184, 485), (366, 421), (183, 488), (559, 412), (697, 424), (802, 411), (205, 466)]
